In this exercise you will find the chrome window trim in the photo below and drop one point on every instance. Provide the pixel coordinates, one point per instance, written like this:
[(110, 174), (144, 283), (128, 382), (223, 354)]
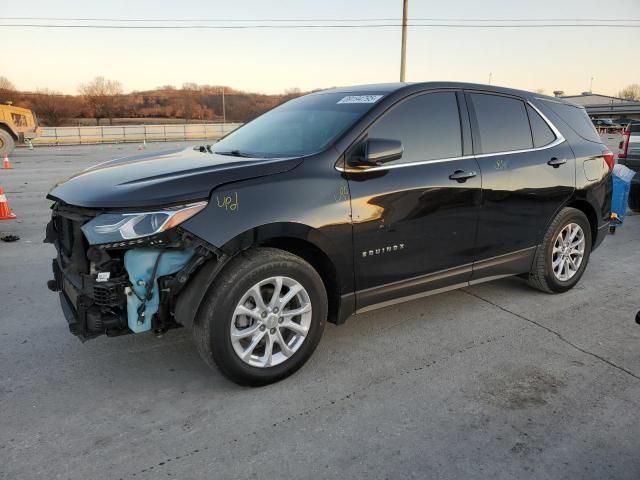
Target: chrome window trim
[(550, 124), (559, 139)]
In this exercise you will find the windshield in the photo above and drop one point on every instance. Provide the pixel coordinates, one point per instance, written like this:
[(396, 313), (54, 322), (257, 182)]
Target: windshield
[(299, 127)]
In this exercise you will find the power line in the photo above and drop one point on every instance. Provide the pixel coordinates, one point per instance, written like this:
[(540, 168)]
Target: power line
[(208, 20), (315, 26), (157, 93)]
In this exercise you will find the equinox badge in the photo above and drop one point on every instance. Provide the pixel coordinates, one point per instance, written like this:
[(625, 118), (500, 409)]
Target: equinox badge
[(380, 251)]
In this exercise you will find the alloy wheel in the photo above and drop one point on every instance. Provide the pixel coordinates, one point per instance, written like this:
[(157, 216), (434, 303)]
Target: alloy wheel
[(568, 252), (271, 322)]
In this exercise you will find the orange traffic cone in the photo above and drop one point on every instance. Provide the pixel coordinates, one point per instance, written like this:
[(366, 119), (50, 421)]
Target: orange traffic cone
[(5, 210), (6, 164)]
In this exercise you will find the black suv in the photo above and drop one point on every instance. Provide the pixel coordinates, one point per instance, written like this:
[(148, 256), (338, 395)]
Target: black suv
[(334, 203)]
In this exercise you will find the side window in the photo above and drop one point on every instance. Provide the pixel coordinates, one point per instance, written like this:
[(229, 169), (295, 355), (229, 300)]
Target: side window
[(542, 133), (576, 117), (502, 123), (19, 120), (427, 125)]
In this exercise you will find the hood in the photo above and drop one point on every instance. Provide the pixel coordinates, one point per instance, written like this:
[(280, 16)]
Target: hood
[(161, 178)]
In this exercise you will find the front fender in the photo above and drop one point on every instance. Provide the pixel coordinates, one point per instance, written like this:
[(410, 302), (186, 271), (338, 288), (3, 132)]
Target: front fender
[(310, 203)]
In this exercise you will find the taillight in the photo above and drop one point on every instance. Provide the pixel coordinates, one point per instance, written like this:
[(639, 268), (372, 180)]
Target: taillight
[(609, 158), (624, 144)]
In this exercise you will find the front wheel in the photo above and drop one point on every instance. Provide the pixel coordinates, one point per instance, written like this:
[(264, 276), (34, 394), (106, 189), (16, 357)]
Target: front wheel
[(563, 256), (263, 317)]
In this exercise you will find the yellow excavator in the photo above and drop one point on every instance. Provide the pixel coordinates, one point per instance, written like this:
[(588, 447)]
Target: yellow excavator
[(17, 126)]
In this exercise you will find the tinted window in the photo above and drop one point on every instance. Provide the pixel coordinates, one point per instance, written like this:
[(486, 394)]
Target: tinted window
[(501, 122), (542, 133), (576, 118), (302, 126), (427, 125)]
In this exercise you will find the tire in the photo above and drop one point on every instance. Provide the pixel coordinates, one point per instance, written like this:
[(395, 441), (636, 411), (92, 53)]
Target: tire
[(233, 292), (7, 144), (543, 275), (634, 198)]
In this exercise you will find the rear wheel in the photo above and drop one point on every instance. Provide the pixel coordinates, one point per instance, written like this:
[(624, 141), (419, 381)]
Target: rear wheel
[(262, 318), (563, 256), (7, 144)]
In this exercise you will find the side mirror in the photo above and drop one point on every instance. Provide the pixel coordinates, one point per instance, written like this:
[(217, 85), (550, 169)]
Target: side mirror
[(375, 152)]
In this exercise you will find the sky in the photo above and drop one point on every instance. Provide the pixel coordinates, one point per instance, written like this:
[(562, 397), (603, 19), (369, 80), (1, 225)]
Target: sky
[(271, 61)]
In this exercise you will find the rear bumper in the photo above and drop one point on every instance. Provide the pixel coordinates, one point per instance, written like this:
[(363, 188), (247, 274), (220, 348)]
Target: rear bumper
[(30, 135)]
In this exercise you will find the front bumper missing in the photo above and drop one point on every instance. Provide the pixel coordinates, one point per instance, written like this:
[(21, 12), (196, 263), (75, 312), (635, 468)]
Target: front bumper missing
[(90, 308), (130, 299)]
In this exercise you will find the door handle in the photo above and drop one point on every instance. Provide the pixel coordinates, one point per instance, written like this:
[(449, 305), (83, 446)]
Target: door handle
[(461, 176), (556, 162)]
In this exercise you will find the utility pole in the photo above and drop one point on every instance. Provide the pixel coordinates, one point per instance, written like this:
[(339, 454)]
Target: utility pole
[(490, 75), (224, 111), (591, 85), (403, 53)]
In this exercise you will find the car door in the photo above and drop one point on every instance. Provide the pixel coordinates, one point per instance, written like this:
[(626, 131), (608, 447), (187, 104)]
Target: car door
[(528, 172), (414, 219)]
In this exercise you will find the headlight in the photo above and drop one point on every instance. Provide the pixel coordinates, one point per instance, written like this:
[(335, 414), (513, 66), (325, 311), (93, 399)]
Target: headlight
[(115, 227)]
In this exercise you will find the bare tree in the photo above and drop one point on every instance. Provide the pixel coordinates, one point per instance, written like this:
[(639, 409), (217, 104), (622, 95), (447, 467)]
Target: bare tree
[(53, 108), (102, 96), (630, 92), (5, 84)]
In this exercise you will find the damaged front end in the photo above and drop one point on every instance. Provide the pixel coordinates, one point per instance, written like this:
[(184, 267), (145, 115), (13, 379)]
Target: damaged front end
[(120, 273)]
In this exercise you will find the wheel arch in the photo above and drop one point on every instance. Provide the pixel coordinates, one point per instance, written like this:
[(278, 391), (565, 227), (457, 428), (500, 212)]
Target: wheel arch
[(590, 212), (319, 260), (4, 126), (298, 239)]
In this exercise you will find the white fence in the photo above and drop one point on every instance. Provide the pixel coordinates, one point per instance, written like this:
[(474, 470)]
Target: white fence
[(132, 133)]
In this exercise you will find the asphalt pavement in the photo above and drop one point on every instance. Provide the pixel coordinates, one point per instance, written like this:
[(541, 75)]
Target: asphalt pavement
[(495, 381)]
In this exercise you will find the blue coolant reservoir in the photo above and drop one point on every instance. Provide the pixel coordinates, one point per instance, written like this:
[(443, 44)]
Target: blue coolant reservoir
[(139, 264)]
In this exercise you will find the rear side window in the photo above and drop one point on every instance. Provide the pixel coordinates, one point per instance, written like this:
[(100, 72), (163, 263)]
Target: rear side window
[(19, 120), (502, 123), (542, 133), (576, 118), (427, 125)]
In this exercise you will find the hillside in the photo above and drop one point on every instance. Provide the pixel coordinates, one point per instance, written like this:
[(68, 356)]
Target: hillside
[(191, 103)]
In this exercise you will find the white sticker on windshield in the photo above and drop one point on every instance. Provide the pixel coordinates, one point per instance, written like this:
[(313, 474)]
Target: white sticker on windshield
[(361, 99)]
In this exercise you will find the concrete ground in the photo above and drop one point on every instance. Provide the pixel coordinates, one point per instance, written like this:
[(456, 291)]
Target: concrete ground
[(496, 381)]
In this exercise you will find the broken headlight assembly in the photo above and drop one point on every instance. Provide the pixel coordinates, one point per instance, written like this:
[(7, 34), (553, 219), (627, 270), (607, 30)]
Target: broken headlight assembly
[(123, 227)]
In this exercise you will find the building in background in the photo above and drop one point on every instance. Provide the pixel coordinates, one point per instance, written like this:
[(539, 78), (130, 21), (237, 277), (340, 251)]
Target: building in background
[(603, 106)]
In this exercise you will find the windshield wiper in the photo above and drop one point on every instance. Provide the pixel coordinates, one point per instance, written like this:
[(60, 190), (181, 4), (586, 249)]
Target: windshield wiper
[(235, 153)]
